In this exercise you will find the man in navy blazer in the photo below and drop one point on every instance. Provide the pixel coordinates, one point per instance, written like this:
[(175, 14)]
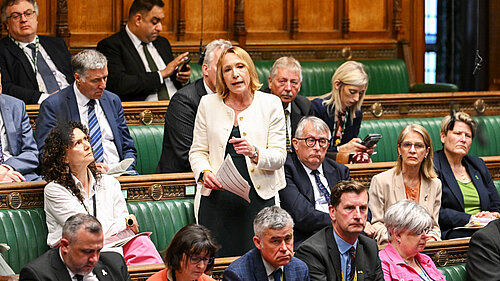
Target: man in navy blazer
[(302, 197), (272, 260), (130, 74), (72, 104), (20, 77)]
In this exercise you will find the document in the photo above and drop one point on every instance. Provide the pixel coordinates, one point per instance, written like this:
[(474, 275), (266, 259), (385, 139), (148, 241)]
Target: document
[(231, 180), (121, 168), (121, 238)]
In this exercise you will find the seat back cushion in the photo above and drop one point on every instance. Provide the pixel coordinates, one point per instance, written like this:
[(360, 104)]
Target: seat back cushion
[(148, 141), (454, 272)]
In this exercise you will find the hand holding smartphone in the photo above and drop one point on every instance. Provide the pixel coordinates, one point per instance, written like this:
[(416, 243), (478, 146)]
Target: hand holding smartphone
[(183, 67), (371, 139)]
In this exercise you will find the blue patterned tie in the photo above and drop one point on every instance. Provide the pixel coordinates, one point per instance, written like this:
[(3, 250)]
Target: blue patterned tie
[(95, 133), (351, 266), (277, 274), (1, 153), (322, 188), (47, 75)]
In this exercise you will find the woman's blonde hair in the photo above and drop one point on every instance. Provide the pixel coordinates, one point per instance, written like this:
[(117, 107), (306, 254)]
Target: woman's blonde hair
[(222, 88), (349, 73), (427, 166)]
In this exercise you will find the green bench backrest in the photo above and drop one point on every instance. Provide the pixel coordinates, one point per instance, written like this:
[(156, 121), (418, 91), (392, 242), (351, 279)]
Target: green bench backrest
[(390, 129), (386, 76), (25, 230), (148, 141), (454, 272)]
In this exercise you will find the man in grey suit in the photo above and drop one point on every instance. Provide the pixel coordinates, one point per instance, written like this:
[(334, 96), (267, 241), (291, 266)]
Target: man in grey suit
[(338, 252), (181, 113), (79, 256)]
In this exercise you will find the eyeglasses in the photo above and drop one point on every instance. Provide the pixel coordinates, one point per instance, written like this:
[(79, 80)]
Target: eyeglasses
[(28, 14), (311, 142), (423, 231), (197, 260), (283, 82), (418, 145)]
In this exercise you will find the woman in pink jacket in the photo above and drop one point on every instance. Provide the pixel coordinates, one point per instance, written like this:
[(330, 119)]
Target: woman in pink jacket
[(407, 225)]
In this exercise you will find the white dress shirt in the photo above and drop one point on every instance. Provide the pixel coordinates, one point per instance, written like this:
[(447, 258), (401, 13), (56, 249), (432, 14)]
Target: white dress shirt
[(321, 203), (158, 61), (270, 270)]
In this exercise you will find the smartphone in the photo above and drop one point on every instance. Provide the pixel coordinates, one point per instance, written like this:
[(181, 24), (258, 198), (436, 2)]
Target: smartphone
[(371, 139), (184, 68)]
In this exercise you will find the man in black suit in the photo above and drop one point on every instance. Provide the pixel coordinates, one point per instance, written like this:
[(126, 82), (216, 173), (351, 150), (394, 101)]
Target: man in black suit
[(33, 66), (285, 80), (79, 256), (141, 64), (483, 258), (181, 113), (338, 252), (303, 198)]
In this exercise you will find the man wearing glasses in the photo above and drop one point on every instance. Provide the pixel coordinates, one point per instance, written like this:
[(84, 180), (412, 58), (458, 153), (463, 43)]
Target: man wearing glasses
[(33, 67), (309, 178)]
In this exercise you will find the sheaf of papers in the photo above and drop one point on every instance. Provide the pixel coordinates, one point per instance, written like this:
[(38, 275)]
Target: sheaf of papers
[(121, 238), (121, 168), (231, 180)]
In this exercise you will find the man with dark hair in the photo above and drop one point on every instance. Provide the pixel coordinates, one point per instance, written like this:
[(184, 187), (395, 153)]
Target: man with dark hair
[(79, 256), (338, 252), (181, 113), (309, 178), (33, 66), (272, 259), (141, 64)]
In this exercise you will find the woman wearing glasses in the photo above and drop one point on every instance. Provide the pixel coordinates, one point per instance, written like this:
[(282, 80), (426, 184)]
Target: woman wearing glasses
[(468, 189), (412, 178), (190, 254), (341, 109)]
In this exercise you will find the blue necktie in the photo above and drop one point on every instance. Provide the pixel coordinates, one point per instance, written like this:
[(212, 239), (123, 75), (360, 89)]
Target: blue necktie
[(277, 274), (1, 153), (95, 133), (322, 188), (48, 77), (351, 266)]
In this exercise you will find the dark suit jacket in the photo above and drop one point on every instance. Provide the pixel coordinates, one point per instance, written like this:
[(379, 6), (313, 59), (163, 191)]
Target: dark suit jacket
[(301, 106), (127, 74), (321, 254), (452, 213), (483, 258), (178, 130), (351, 129), (22, 145), (250, 267), (50, 267), (298, 196), (62, 107), (18, 77)]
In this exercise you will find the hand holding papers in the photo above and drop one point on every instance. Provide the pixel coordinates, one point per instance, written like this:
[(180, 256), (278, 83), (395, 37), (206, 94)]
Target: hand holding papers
[(231, 180), (121, 168)]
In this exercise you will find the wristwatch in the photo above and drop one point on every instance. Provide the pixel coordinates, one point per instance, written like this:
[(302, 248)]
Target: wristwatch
[(255, 154), (200, 178)]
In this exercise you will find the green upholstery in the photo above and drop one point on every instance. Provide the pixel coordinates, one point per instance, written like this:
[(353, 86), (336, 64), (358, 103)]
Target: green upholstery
[(148, 141), (390, 129), (386, 76), (454, 272), (497, 185), (25, 231)]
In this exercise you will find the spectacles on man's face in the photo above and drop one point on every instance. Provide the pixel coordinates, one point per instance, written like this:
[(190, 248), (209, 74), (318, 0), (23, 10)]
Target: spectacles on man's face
[(198, 259), (311, 142), (28, 14), (418, 145)]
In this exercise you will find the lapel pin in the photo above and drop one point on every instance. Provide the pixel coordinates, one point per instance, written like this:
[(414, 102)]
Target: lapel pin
[(477, 177), (426, 196), (104, 273)]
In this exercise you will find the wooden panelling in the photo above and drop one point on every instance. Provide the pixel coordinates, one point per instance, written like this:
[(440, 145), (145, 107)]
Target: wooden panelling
[(494, 37), (318, 15), (370, 15), (90, 21)]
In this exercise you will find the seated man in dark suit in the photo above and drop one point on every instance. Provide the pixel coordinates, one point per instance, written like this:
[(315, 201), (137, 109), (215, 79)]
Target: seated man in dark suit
[(88, 102), (79, 256), (33, 66), (141, 64), (272, 260), (483, 258), (18, 151), (285, 80), (181, 113), (309, 178), (338, 252)]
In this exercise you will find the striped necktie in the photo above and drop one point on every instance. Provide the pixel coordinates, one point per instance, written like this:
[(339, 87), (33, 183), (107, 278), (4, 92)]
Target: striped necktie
[(288, 144), (320, 185), (95, 133)]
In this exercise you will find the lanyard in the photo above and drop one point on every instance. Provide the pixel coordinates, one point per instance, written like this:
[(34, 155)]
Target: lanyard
[(33, 59)]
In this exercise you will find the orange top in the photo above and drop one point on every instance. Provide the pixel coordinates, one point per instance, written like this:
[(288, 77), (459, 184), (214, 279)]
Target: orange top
[(413, 193), (162, 276)]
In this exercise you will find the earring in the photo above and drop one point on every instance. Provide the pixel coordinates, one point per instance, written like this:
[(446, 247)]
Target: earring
[(399, 240)]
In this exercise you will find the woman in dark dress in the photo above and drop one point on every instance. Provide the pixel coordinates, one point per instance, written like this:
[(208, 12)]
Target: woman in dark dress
[(249, 126)]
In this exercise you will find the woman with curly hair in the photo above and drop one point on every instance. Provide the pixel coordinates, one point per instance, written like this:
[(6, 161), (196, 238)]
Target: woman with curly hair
[(76, 186)]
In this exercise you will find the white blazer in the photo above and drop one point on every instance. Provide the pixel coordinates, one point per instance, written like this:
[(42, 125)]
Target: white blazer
[(262, 124)]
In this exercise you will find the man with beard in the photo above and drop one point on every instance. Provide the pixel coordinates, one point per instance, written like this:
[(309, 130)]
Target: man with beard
[(79, 256), (285, 80), (272, 260)]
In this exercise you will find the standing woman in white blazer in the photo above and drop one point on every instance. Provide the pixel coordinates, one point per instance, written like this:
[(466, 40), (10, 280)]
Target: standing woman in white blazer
[(250, 126)]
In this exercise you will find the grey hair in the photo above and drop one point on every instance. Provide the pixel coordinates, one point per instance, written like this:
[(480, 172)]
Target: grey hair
[(272, 217), (318, 125), (76, 222), (7, 3), (215, 45), (289, 63), (86, 60), (407, 215)]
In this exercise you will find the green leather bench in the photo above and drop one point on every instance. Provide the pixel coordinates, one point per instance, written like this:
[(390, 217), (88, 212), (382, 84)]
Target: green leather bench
[(454, 272), (148, 141), (390, 129), (386, 77), (25, 231)]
